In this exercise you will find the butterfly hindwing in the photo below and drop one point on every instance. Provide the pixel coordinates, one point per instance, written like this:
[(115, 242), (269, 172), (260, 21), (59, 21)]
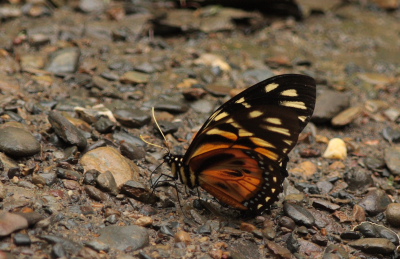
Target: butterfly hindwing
[(240, 178)]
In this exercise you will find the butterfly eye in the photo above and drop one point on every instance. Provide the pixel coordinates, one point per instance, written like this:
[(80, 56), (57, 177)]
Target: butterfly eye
[(240, 153)]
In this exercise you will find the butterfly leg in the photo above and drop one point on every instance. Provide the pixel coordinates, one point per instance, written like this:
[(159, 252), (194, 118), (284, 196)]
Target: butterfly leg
[(158, 182)]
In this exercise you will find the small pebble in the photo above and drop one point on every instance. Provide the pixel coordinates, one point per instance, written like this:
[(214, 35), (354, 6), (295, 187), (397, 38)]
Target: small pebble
[(350, 235), (133, 152), (326, 205), (375, 201), (204, 229), (319, 239), (391, 134), (107, 183), (71, 185), (374, 163), (334, 251), (95, 193), (392, 113), (21, 239), (336, 149), (358, 180), (122, 237), (138, 191), (132, 118), (91, 176), (183, 236), (329, 104), (98, 246), (10, 222), (105, 159), (376, 78), (64, 60), (392, 160), (218, 90), (347, 116), (373, 245), (202, 106), (247, 227), (66, 130), (359, 213), (18, 142), (134, 77), (68, 174), (121, 137), (144, 221), (287, 223), (393, 214), (171, 106), (213, 60), (292, 243), (325, 187), (305, 170), (104, 125), (299, 214), (310, 152)]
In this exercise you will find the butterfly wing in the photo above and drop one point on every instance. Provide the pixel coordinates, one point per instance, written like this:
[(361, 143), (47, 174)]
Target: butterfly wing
[(240, 178), (240, 153)]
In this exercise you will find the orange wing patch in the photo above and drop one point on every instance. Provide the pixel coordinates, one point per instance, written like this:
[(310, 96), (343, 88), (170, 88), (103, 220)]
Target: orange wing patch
[(231, 176)]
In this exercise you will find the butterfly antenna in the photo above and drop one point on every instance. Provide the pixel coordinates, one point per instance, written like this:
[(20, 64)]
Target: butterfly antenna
[(159, 129), (151, 144)]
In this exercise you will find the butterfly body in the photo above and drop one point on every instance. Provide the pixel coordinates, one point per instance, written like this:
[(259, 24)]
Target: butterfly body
[(240, 154)]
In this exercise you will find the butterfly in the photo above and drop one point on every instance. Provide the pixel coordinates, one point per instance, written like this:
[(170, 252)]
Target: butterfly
[(240, 154)]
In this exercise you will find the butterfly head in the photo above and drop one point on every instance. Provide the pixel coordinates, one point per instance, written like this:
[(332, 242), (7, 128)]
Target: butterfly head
[(174, 161)]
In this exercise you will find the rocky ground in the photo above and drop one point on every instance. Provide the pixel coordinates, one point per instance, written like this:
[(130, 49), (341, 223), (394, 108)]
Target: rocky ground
[(78, 80)]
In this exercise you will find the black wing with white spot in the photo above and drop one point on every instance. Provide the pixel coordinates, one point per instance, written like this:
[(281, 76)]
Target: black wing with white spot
[(267, 117)]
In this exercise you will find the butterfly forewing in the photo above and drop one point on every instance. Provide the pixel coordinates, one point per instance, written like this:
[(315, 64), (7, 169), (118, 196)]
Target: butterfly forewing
[(268, 116), (240, 154)]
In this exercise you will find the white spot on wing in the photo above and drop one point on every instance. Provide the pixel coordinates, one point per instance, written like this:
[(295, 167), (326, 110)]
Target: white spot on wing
[(245, 133), (287, 141), (290, 93), (271, 87), (303, 118), (283, 131), (255, 114), (221, 116), (247, 105), (240, 100), (294, 104), (276, 121)]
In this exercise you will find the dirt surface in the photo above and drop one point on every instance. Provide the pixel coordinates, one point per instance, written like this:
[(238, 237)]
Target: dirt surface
[(78, 80)]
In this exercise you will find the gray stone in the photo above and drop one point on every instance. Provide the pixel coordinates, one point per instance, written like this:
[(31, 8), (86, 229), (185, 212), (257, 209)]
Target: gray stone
[(132, 118), (375, 201), (122, 237), (107, 182), (329, 104), (299, 214), (64, 60), (393, 214), (374, 245), (392, 160), (66, 130), (18, 142)]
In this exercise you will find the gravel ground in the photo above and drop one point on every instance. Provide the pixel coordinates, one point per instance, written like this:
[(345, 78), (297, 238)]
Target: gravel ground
[(79, 78)]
